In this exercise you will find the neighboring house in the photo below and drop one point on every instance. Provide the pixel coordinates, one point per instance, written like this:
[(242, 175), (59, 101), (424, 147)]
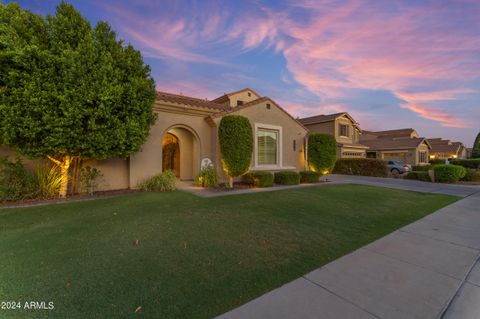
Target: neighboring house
[(345, 130), (186, 134), (444, 149), (402, 145), (469, 152)]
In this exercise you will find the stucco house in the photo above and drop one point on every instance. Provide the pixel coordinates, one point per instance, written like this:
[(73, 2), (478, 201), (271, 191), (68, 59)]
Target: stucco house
[(444, 149), (186, 133), (402, 145), (345, 130)]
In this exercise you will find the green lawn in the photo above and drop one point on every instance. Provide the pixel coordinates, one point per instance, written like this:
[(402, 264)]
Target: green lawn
[(195, 257)]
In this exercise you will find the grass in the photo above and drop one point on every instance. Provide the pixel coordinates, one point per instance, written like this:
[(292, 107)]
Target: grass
[(176, 255)]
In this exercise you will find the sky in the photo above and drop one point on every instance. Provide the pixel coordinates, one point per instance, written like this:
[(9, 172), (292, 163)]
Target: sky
[(390, 64)]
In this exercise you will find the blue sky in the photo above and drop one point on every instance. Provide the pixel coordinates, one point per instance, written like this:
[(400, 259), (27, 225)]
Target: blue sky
[(390, 64)]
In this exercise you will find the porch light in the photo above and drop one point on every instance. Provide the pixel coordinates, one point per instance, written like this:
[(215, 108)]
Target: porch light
[(432, 156)]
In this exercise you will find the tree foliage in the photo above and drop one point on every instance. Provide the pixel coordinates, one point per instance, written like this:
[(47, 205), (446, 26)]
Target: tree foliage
[(476, 147), (68, 89), (236, 145), (322, 152)]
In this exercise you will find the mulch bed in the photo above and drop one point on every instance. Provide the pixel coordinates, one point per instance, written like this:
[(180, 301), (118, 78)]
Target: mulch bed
[(70, 198)]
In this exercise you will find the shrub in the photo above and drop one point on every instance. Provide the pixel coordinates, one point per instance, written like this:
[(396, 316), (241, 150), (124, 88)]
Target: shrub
[(258, 179), (162, 182), (448, 173), (310, 177), (16, 183), (236, 145), (287, 178), (436, 161), (467, 163), (419, 175), (471, 175), (322, 152), (476, 147), (89, 178), (421, 168), (207, 177), (361, 166), (47, 180)]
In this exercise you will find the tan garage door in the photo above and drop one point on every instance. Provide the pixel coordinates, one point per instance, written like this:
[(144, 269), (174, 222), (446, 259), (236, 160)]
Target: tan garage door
[(402, 157)]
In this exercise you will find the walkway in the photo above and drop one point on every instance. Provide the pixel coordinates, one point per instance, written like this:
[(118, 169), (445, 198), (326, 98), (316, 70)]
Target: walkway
[(428, 269)]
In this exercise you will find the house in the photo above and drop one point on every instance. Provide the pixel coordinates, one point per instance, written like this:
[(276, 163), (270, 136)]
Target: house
[(185, 135), (444, 149), (402, 145), (345, 130), (469, 152)]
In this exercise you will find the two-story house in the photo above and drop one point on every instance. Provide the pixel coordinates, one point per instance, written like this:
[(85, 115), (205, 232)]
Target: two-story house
[(402, 145), (345, 130)]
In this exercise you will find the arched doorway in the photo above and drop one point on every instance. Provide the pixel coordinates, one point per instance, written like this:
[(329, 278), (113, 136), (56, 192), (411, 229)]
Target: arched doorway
[(171, 154), (181, 152)]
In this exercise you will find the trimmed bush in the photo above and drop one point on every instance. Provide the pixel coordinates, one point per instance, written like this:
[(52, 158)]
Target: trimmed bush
[(448, 173), (236, 145), (310, 177), (422, 168), (322, 152), (162, 182), (361, 166), (287, 178), (436, 161), (258, 179), (16, 183), (419, 175), (207, 177), (471, 175), (467, 163)]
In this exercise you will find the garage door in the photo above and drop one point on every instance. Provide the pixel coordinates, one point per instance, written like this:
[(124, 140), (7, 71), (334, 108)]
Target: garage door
[(402, 157)]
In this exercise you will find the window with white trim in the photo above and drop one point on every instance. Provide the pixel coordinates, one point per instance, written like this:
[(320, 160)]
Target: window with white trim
[(422, 157), (267, 146), (344, 130)]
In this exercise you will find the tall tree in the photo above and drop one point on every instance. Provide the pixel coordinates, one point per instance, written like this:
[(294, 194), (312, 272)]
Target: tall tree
[(70, 90), (476, 147)]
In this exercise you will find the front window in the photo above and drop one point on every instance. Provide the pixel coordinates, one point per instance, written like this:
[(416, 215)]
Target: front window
[(267, 143), (344, 130), (423, 157)]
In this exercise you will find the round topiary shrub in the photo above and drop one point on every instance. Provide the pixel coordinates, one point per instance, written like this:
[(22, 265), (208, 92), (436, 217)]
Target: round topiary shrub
[(322, 152), (236, 145), (310, 177), (448, 173)]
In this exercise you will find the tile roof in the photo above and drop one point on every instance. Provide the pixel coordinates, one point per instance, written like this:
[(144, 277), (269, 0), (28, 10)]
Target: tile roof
[(445, 148), (192, 101), (320, 118), (392, 133), (393, 144)]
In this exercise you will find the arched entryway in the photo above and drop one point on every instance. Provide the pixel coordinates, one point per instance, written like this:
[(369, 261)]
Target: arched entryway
[(180, 152), (171, 154)]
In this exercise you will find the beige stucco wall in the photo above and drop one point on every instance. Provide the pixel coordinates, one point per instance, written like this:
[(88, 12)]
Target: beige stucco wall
[(114, 171), (242, 96), (421, 148), (290, 130), (353, 131), (196, 144)]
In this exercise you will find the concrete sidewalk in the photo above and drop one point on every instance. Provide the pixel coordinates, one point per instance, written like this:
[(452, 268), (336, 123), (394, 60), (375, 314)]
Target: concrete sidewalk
[(428, 269)]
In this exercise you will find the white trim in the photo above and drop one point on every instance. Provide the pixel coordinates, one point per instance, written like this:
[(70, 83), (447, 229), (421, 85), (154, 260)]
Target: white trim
[(279, 147)]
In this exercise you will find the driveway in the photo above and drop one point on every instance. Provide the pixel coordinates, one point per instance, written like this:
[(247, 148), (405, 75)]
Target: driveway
[(428, 269), (406, 184)]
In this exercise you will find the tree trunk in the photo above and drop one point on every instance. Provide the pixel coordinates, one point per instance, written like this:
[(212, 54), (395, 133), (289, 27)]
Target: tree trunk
[(64, 166), (230, 181)]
